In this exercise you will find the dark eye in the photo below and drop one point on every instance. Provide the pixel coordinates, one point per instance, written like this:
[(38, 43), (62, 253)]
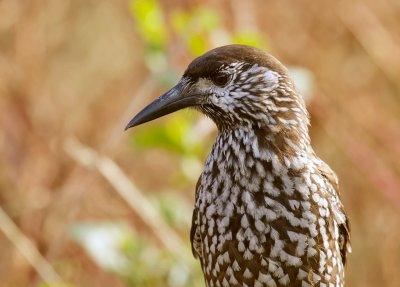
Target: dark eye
[(220, 79)]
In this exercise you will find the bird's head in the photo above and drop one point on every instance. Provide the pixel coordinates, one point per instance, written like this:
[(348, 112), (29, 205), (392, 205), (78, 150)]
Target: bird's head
[(236, 86)]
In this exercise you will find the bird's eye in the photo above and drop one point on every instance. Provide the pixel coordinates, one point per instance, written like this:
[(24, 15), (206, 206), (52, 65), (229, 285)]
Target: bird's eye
[(220, 79)]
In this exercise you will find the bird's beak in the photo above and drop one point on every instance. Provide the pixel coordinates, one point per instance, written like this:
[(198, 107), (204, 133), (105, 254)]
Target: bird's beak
[(175, 99)]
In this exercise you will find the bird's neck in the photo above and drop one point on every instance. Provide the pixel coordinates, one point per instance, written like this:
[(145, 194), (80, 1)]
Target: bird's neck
[(245, 158), (282, 141), (279, 127), (240, 149)]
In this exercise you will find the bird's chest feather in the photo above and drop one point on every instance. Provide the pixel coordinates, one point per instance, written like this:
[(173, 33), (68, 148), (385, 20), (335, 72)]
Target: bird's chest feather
[(260, 217)]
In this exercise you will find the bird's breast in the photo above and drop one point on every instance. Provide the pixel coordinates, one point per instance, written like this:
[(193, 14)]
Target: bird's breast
[(262, 217)]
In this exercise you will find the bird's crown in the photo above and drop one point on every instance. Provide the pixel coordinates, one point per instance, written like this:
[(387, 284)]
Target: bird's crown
[(242, 86)]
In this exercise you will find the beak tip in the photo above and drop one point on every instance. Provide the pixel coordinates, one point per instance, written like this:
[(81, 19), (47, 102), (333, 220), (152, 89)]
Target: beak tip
[(170, 102), (131, 124)]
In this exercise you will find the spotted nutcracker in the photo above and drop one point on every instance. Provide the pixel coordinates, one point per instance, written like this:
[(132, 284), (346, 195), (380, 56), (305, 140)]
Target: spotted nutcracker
[(267, 211)]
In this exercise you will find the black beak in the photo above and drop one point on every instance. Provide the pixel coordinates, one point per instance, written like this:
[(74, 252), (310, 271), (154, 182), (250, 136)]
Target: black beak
[(175, 99)]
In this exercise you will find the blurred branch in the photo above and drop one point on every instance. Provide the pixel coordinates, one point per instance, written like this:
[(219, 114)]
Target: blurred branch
[(372, 35), (28, 250), (243, 15), (143, 92), (127, 190)]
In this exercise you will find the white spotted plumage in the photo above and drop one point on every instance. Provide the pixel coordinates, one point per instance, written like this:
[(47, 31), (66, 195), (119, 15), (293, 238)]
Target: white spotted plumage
[(306, 193), (267, 210)]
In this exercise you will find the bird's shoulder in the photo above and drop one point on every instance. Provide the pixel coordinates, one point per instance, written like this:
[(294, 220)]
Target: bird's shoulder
[(195, 236), (337, 207)]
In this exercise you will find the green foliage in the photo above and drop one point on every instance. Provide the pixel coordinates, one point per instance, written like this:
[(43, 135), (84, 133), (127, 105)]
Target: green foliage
[(173, 134), (151, 26), (195, 26), (174, 209), (150, 23), (249, 38), (136, 259), (102, 241)]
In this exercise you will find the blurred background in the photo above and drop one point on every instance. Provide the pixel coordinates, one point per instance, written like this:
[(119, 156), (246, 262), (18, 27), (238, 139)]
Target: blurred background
[(83, 203)]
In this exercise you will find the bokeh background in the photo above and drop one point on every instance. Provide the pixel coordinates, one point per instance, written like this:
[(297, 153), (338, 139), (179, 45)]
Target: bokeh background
[(83, 203)]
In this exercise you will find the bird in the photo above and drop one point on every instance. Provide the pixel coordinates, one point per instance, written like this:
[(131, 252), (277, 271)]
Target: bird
[(267, 209)]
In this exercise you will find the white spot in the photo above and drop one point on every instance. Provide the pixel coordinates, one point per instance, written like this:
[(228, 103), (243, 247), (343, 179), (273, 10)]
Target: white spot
[(244, 222), (264, 278), (278, 272), (241, 246), (313, 230), (284, 280), (233, 280), (226, 257), (310, 216), (322, 261), (260, 226), (220, 260), (253, 243), (270, 188), (260, 169), (291, 260), (236, 266), (306, 205), (318, 180), (302, 274), (263, 262), (247, 255), (247, 273), (311, 252), (316, 277), (294, 204)]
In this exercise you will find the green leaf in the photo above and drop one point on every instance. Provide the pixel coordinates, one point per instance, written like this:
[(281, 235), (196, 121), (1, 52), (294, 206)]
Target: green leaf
[(174, 209), (195, 27), (249, 38), (102, 242), (208, 18), (197, 44), (171, 134), (150, 22)]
